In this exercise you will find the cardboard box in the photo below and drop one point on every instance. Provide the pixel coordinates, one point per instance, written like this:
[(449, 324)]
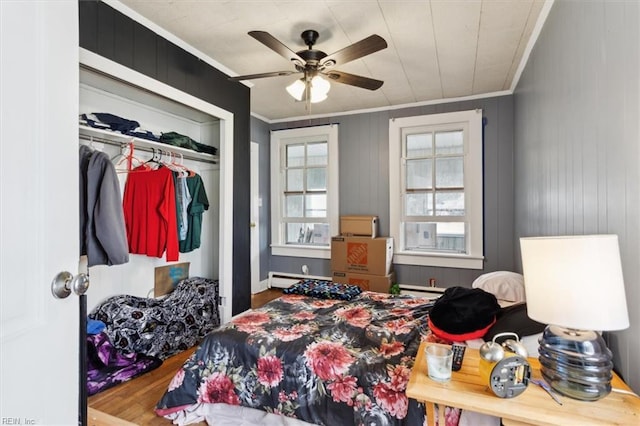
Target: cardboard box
[(167, 278), (370, 256), (378, 283), (365, 226)]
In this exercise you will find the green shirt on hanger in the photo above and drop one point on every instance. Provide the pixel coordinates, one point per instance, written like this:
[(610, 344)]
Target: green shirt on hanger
[(199, 203)]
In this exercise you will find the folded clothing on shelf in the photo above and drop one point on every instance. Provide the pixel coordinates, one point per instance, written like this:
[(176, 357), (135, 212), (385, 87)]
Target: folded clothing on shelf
[(106, 121), (182, 141)]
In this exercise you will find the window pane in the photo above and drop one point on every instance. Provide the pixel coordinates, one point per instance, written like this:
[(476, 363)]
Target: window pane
[(451, 236), (449, 143), (317, 154), (420, 235), (297, 233), (293, 205), (419, 174), (307, 233), (449, 203), (294, 180), (295, 155), (419, 145), (445, 236), (419, 204), (316, 205), (320, 233), (449, 172), (317, 179)]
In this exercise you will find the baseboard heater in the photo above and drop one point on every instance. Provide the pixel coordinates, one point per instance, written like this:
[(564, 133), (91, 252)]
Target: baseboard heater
[(421, 291), (286, 279)]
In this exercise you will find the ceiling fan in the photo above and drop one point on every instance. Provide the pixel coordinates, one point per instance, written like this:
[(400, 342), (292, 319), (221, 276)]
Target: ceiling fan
[(312, 62)]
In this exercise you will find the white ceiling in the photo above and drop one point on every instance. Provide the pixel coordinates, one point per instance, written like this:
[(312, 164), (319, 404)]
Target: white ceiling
[(437, 49)]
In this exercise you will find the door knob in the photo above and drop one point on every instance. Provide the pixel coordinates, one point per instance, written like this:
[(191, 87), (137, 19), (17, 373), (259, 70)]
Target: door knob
[(252, 224), (65, 282)]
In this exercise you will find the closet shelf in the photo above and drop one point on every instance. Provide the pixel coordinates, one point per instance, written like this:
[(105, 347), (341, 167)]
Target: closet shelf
[(118, 139)]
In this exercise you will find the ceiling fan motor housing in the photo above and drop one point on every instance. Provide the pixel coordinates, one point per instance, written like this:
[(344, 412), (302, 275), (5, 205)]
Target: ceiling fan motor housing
[(312, 57), (310, 37)]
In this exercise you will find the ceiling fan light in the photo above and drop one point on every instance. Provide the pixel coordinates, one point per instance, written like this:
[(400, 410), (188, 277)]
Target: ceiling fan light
[(317, 97), (320, 85), (296, 89), (319, 89)]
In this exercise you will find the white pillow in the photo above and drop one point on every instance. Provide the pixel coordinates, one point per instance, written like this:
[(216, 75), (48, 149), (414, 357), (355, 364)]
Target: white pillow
[(504, 285)]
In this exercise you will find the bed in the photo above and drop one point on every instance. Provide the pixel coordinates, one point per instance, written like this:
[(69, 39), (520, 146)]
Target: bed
[(323, 361), (309, 358)]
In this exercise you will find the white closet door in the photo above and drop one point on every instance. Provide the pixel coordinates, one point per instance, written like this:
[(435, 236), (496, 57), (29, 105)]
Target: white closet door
[(38, 211)]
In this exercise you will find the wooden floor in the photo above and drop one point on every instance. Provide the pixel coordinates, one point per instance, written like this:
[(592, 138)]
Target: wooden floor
[(259, 299), (133, 402)]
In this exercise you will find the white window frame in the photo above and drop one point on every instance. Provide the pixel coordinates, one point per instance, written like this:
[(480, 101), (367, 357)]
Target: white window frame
[(279, 140), (474, 257)]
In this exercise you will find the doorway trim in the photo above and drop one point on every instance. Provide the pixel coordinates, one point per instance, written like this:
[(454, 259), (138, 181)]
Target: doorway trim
[(256, 203)]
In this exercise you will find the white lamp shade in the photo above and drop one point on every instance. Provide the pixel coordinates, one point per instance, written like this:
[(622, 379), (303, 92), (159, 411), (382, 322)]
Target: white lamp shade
[(319, 85), (296, 89), (318, 89), (575, 281), (317, 97)]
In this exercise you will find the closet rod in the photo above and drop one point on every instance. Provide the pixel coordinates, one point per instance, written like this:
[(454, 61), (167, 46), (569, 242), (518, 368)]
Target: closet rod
[(144, 148)]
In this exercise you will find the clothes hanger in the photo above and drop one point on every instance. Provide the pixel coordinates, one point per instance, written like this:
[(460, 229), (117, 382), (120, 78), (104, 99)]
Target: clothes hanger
[(132, 162), (120, 157), (177, 167), (186, 172), (156, 159), (89, 144), (168, 163)]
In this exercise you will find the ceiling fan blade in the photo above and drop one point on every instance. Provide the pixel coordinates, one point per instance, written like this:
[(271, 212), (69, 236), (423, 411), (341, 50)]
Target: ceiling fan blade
[(357, 50), (354, 80), (262, 75), (275, 45)]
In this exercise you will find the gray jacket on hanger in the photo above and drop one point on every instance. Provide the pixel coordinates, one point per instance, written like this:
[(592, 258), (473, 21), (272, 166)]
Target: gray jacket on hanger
[(103, 235)]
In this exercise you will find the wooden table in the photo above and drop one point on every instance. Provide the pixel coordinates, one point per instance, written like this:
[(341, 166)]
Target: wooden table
[(532, 407)]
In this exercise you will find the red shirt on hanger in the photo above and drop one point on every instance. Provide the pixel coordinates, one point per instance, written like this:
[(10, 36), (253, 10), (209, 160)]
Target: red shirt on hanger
[(150, 213)]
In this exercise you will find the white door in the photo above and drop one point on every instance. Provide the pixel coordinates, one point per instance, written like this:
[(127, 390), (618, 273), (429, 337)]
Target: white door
[(255, 218), (38, 211)]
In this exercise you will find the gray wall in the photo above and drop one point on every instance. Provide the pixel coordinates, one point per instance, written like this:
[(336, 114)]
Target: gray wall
[(577, 155), (364, 184)]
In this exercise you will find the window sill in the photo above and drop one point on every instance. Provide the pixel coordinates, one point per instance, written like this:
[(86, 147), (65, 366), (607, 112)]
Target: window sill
[(441, 260), (301, 251)]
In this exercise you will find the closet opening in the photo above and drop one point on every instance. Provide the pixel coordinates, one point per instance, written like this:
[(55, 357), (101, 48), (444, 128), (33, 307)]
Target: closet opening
[(107, 87)]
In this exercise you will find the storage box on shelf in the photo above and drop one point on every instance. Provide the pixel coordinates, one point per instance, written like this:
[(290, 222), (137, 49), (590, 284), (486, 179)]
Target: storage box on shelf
[(363, 226)]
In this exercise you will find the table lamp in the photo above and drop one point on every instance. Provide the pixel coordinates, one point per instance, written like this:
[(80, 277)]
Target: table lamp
[(575, 285)]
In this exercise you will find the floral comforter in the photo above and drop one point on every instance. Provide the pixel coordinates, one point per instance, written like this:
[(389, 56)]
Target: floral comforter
[(328, 362)]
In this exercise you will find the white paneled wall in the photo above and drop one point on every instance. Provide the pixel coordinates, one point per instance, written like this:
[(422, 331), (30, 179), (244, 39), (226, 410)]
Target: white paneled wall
[(577, 143)]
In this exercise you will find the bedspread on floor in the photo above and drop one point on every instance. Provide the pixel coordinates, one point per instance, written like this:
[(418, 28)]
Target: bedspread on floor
[(327, 362), (107, 366), (162, 327)]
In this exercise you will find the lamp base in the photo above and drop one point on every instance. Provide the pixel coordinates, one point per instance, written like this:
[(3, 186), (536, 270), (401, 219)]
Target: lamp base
[(576, 363)]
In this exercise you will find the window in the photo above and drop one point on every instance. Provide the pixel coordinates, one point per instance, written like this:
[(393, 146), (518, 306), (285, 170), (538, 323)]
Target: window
[(436, 189), (304, 191)]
